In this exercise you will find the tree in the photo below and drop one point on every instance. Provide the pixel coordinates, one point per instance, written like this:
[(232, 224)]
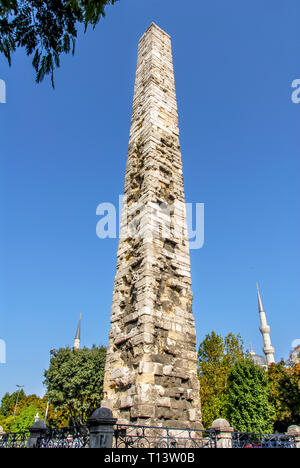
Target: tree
[(9, 401), (24, 420), (216, 357), (248, 405), (284, 383), (23, 416), (6, 422), (74, 381), (46, 29)]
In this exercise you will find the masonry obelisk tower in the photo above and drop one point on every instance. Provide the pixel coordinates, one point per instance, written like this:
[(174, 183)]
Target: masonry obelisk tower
[(151, 367)]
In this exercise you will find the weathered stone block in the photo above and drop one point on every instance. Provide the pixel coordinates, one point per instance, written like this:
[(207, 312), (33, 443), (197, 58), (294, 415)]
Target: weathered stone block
[(142, 411), (126, 402), (163, 401)]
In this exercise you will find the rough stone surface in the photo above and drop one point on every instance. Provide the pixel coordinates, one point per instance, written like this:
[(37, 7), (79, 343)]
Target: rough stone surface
[(220, 423), (294, 430), (150, 375)]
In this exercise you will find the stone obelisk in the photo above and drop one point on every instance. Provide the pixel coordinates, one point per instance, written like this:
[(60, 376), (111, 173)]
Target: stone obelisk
[(151, 368)]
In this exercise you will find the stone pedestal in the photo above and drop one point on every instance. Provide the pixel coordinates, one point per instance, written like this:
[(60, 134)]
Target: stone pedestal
[(294, 430), (37, 431), (224, 433), (101, 427)]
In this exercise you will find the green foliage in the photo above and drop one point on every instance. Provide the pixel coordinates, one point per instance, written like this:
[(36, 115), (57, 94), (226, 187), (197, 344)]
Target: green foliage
[(24, 420), (248, 405), (26, 406), (9, 401), (46, 29), (284, 384), (6, 422), (234, 388), (91, 10), (74, 381), (216, 357)]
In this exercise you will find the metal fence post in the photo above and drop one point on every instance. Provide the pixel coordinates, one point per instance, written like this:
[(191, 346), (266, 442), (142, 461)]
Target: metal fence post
[(101, 426), (36, 431), (223, 433)]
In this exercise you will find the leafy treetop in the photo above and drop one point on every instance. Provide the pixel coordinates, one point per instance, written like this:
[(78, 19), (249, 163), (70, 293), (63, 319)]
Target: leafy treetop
[(249, 407), (216, 356), (74, 381), (46, 29)]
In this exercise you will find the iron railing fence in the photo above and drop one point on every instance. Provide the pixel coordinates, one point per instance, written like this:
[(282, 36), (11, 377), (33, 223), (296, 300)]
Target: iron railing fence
[(134, 436), (14, 439), (65, 437), (251, 440), (137, 436)]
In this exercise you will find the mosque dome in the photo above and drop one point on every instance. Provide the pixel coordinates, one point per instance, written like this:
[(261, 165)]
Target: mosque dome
[(260, 361)]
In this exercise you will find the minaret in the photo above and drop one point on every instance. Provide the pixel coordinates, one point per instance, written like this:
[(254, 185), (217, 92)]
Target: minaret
[(252, 353), (151, 367), (265, 331), (76, 345)]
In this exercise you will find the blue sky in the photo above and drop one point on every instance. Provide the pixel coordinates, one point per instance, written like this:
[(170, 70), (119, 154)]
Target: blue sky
[(63, 152)]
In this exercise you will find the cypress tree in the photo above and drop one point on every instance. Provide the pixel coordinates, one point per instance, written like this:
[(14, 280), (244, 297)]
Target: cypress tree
[(248, 406)]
